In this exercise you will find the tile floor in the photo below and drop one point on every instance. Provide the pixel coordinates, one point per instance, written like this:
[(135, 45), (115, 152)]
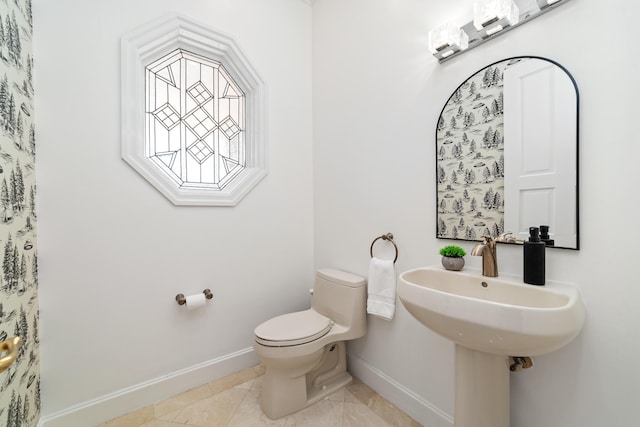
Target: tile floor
[(233, 401)]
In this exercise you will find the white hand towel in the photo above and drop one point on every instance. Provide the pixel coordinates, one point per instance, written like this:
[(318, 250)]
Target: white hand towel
[(381, 301)]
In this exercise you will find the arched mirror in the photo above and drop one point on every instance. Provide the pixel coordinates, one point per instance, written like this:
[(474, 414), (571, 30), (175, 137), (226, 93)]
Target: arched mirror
[(507, 154)]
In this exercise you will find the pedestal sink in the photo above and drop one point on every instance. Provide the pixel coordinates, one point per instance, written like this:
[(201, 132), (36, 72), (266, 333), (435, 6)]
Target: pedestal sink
[(490, 319)]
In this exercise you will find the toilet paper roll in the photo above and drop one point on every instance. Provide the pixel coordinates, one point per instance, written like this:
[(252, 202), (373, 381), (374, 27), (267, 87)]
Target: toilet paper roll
[(195, 301)]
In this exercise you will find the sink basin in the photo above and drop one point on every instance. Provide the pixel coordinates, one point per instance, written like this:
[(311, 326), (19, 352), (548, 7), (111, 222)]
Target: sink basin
[(490, 319), (496, 315)]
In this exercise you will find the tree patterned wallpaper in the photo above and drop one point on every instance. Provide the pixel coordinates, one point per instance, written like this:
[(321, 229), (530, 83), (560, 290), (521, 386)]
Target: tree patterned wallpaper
[(20, 384), (470, 157)]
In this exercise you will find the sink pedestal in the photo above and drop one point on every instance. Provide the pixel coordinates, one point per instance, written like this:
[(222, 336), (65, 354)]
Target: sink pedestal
[(482, 389)]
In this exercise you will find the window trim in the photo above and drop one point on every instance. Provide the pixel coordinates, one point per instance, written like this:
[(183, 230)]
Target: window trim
[(145, 45)]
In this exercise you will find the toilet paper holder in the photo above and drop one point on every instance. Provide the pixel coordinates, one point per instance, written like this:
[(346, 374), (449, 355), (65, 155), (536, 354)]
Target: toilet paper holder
[(182, 300)]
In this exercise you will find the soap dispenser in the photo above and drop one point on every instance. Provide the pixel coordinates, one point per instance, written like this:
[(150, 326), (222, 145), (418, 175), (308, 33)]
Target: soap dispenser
[(544, 235), (534, 254)]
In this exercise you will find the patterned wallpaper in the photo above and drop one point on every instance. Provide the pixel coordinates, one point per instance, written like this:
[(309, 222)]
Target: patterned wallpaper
[(470, 157), (20, 384)]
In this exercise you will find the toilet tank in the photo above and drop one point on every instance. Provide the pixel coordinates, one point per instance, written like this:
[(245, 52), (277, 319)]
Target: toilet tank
[(342, 297)]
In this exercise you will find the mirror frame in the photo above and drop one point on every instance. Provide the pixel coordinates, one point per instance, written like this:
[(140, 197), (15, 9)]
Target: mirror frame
[(577, 147)]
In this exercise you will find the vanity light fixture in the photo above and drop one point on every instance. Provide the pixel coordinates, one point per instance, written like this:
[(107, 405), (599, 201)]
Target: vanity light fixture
[(494, 15), (446, 40), (491, 19)]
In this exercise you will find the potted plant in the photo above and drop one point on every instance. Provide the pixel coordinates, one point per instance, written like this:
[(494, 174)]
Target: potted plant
[(452, 257)]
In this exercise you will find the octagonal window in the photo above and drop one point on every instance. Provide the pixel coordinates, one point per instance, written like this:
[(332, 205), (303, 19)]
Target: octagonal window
[(198, 134)]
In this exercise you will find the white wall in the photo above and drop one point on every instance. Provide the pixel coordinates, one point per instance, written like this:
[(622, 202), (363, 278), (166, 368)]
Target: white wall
[(377, 95), (114, 252)]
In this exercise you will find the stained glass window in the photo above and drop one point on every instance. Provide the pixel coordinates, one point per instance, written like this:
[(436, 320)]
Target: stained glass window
[(195, 120)]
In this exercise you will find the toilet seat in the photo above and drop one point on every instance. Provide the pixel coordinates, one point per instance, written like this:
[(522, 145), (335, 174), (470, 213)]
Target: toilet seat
[(293, 329)]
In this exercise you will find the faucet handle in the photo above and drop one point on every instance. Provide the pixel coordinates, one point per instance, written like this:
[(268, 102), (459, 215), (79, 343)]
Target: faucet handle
[(504, 237), (508, 237)]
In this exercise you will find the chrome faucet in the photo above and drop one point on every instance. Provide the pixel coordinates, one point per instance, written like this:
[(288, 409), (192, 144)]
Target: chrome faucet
[(487, 249)]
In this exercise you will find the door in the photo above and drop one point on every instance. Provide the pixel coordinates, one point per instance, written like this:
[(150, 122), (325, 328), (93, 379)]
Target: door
[(540, 154)]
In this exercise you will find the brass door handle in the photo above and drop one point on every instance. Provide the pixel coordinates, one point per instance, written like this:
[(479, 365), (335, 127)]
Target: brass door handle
[(11, 346)]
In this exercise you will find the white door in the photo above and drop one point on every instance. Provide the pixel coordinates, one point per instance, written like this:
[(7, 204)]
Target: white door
[(540, 125)]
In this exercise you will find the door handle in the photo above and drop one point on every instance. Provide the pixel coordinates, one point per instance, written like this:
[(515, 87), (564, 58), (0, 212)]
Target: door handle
[(11, 346)]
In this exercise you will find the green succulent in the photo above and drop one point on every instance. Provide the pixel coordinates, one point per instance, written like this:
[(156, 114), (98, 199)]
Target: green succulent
[(453, 251)]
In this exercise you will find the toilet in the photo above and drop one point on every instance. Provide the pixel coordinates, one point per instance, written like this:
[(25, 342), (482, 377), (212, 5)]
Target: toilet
[(304, 352)]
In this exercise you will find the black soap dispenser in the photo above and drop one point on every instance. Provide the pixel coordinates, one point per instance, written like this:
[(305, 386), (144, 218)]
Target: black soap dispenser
[(544, 235), (534, 265)]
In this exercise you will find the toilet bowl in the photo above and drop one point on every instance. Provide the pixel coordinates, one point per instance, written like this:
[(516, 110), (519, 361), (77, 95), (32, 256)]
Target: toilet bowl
[(304, 353)]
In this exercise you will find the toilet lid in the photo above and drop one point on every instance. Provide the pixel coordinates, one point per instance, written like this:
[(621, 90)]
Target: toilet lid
[(293, 329)]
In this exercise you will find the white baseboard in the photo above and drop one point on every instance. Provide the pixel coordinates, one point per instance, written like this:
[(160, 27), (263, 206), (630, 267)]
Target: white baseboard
[(97, 411), (409, 402)]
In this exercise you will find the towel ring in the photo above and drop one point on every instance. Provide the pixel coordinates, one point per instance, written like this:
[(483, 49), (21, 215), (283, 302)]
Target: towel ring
[(389, 237)]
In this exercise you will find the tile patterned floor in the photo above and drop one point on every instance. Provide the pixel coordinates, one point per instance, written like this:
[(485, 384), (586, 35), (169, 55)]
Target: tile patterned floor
[(233, 401)]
